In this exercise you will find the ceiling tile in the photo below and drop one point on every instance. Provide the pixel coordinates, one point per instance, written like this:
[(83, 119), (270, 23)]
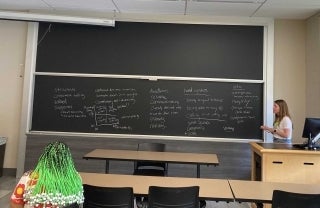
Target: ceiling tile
[(293, 3), (22, 4), (151, 6), (291, 9), (231, 1), (221, 8), (82, 5)]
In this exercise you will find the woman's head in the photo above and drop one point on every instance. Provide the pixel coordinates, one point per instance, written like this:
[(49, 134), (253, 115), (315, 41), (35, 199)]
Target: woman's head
[(56, 156), (56, 179), (280, 109)]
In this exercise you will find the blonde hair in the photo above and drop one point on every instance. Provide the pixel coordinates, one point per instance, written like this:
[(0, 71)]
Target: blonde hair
[(283, 110)]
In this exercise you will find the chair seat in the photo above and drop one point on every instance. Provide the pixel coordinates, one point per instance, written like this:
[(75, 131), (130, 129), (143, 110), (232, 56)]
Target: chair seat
[(150, 168), (149, 172)]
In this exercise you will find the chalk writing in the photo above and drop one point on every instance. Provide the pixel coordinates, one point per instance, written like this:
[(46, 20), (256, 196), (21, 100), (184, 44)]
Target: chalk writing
[(177, 108), (243, 103), (202, 110), (105, 111), (162, 108)]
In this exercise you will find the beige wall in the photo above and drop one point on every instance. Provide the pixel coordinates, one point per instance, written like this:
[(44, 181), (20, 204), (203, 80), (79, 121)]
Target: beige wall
[(289, 76), (289, 69), (12, 55), (313, 67)]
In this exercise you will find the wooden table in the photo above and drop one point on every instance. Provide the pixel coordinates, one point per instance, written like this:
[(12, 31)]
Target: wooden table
[(210, 189), (261, 192), (167, 157)]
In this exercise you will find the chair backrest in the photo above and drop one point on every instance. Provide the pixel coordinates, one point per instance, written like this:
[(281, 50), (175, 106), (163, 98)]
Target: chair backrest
[(155, 147), (173, 197), (284, 199), (74, 205), (108, 197)]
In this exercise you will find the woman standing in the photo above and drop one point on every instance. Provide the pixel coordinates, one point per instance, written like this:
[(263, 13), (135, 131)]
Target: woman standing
[(282, 125)]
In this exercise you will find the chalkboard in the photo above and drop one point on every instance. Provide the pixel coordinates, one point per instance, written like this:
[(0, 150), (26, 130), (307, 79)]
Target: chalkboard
[(143, 107), (156, 49)]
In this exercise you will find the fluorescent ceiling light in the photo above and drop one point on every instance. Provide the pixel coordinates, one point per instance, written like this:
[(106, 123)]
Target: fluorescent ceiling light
[(55, 18)]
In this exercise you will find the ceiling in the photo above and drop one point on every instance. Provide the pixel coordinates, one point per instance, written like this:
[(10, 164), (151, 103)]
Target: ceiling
[(279, 9)]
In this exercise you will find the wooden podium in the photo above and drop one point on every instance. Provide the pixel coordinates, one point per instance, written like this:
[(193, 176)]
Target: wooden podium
[(284, 163)]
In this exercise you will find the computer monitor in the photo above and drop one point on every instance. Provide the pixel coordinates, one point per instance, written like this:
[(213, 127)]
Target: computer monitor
[(311, 131), (311, 127)]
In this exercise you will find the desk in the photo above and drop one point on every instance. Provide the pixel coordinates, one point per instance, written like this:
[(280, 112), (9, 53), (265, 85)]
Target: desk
[(284, 163), (257, 191), (210, 189), (167, 157)]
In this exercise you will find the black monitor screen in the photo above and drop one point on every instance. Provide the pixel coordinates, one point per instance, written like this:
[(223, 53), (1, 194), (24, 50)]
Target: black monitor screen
[(311, 126)]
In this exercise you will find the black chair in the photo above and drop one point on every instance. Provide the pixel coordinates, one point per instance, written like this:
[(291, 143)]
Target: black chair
[(74, 205), (284, 199), (150, 168), (108, 197), (173, 197)]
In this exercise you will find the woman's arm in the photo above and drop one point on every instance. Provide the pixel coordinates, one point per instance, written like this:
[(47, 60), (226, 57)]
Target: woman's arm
[(267, 129), (285, 133)]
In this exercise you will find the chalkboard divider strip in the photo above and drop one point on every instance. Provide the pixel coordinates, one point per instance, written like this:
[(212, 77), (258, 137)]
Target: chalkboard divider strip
[(147, 77), (137, 136)]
